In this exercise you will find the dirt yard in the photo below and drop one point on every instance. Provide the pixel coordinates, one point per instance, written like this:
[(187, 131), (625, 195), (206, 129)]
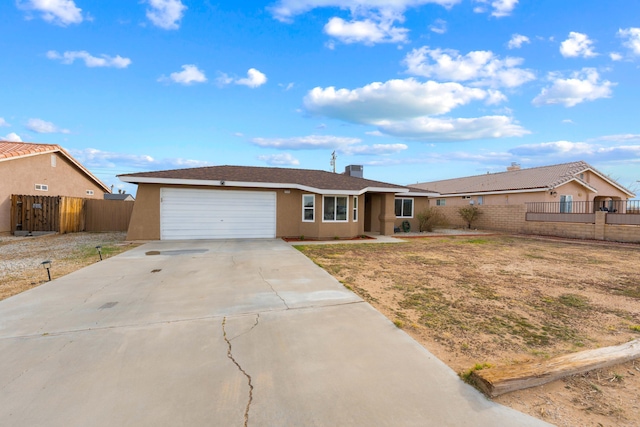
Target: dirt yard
[(500, 300), (21, 257)]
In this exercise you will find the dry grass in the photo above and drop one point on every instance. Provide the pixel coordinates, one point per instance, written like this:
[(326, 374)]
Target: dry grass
[(501, 300), (20, 257)]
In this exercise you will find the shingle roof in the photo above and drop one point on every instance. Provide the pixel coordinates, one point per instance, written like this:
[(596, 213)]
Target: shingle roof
[(264, 175), (544, 178), (16, 150)]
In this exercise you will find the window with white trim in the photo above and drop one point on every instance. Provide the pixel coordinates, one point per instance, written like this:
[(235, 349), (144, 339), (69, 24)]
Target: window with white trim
[(480, 200), (335, 208), (404, 208), (42, 187), (355, 208), (308, 207), (440, 202), (89, 192)]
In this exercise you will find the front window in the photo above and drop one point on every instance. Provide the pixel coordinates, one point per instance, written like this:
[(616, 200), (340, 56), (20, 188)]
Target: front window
[(308, 207), (404, 208), (566, 204), (335, 208), (440, 202), (480, 200), (355, 208)]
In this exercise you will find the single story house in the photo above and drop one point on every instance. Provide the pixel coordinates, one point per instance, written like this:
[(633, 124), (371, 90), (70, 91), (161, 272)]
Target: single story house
[(44, 170), (565, 183), (221, 202), (119, 196)]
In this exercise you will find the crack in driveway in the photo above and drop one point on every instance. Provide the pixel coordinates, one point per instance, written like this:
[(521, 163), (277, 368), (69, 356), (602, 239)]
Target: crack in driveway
[(274, 291), (235, 362)]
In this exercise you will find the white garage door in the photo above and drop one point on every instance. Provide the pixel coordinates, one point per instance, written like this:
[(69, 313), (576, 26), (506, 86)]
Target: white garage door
[(216, 214)]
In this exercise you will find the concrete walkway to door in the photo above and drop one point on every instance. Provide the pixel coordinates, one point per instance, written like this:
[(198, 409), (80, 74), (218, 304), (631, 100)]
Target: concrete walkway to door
[(219, 333)]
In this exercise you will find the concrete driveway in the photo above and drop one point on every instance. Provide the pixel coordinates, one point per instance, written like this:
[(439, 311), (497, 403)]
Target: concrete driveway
[(219, 333)]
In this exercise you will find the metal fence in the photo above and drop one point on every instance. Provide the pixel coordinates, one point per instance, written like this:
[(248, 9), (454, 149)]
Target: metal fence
[(613, 206)]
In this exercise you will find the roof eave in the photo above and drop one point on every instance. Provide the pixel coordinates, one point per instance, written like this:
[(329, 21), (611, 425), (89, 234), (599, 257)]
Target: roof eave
[(245, 184)]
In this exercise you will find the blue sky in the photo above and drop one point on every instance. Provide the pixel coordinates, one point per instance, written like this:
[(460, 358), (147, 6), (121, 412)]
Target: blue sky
[(414, 90)]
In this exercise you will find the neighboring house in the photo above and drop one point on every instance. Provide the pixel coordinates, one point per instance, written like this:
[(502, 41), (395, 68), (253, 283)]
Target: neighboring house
[(565, 183), (44, 170), (119, 196), (260, 202)]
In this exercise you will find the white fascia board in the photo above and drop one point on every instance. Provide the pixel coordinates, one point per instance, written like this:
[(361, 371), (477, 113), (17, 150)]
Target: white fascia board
[(610, 181), (584, 184), (412, 194), (272, 185), (489, 193)]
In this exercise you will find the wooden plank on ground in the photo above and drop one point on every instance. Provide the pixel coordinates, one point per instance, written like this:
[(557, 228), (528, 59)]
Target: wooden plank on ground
[(497, 381)]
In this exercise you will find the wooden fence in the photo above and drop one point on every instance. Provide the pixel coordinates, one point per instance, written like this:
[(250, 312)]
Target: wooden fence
[(68, 214), (107, 215)]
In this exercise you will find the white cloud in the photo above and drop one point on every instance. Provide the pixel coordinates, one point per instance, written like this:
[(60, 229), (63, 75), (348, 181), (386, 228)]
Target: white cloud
[(374, 150), (620, 150), (368, 31), (371, 21), (311, 142), (577, 44), (584, 85), (615, 56), (166, 14), (3, 122), (93, 158), (391, 100), (59, 12), (459, 129), (41, 126), (631, 37), (482, 68), (517, 40), (89, 60), (254, 79), (503, 8), (439, 26), (284, 159), (287, 87), (11, 137), (285, 10), (500, 8), (190, 74)]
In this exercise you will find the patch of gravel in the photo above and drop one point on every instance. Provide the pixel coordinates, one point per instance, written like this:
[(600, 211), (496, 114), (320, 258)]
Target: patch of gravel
[(18, 254), (444, 232)]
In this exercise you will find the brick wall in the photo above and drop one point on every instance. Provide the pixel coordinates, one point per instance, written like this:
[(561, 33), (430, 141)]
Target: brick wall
[(511, 219)]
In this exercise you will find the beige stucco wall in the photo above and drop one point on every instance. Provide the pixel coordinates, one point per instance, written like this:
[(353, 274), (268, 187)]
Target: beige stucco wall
[(145, 220), (419, 205), (20, 175)]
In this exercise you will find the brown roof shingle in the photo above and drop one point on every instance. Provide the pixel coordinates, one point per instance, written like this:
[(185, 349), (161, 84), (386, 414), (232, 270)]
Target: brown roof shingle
[(251, 174)]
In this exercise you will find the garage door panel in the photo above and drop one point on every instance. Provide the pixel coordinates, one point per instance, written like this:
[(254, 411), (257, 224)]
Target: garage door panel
[(217, 214)]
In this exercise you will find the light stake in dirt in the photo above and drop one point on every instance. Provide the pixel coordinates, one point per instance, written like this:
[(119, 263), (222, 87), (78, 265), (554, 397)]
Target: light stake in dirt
[(47, 265), (99, 248)]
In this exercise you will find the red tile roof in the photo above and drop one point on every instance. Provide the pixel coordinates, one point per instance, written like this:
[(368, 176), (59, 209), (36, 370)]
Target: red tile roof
[(21, 149), (15, 150)]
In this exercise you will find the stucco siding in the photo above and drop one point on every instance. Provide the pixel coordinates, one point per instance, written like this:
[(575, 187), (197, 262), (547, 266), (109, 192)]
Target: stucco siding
[(145, 220), (20, 175)]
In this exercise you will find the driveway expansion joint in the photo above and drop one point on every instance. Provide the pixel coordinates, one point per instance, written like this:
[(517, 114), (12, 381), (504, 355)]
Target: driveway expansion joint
[(235, 362)]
